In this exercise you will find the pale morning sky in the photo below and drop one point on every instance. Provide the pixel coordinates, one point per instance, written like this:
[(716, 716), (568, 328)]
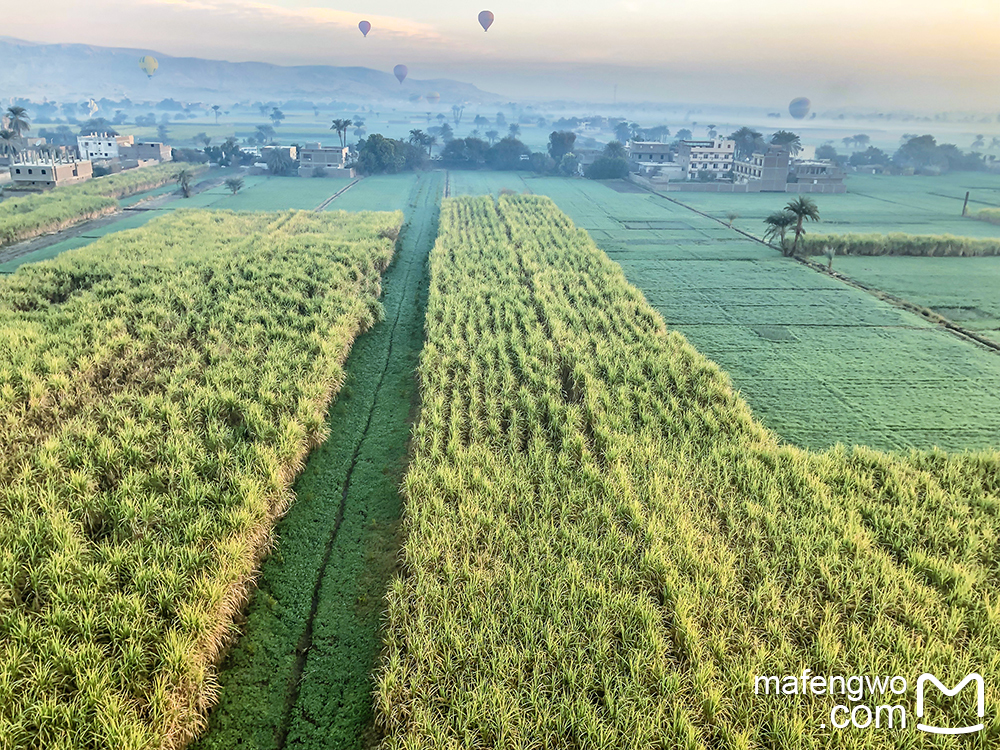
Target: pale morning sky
[(873, 53)]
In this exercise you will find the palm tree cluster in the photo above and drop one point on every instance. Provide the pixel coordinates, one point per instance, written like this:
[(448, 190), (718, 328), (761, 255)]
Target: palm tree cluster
[(423, 140), (341, 126), (792, 216)]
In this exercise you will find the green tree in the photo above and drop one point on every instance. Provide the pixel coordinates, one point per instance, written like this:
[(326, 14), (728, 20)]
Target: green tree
[(279, 162), (787, 139), (378, 154), (569, 164), (747, 140), (234, 184), (561, 142), (9, 142), (826, 151), (607, 168), (507, 153), (184, 178), (732, 216), (491, 136), (17, 120), (276, 116), (341, 127), (777, 225), (804, 209), (615, 150), (514, 130)]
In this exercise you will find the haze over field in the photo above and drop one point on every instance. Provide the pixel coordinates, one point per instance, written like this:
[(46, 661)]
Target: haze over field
[(916, 54)]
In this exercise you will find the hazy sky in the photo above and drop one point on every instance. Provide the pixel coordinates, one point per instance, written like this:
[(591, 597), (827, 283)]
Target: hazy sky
[(874, 53)]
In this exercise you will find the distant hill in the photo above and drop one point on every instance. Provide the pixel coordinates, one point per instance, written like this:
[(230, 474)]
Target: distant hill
[(71, 72)]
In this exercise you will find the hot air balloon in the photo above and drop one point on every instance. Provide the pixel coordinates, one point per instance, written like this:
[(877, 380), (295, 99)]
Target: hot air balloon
[(365, 27), (799, 108), (485, 19), (400, 72), (434, 97), (148, 65)]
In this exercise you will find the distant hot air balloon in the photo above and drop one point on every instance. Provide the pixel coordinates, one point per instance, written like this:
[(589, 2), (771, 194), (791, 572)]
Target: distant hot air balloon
[(400, 72), (434, 97), (799, 108), (365, 27), (148, 65), (92, 107), (485, 20)]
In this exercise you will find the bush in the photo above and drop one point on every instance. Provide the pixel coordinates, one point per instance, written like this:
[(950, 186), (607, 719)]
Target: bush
[(989, 215), (607, 168), (189, 155), (935, 245)]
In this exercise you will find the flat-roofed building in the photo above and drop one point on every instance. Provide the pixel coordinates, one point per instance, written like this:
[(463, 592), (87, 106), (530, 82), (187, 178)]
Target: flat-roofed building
[(43, 175), (769, 168), (148, 151), (102, 146), (649, 152), (325, 160), (711, 157), (817, 172)]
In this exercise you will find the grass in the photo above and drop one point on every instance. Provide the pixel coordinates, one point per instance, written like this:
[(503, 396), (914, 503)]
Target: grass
[(32, 215), (158, 394), (604, 547), (989, 215), (301, 674), (819, 361)]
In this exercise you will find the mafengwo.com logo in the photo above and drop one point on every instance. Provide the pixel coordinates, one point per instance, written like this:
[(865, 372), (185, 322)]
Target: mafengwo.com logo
[(882, 702)]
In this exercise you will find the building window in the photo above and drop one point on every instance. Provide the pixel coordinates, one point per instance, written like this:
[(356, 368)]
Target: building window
[(19, 171), (29, 171)]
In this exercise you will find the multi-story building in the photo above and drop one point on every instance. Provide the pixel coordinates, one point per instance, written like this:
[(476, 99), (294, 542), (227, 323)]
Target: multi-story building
[(148, 151), (711, 157), (42, 174), (330, 159), (648, 152), (817, 172), (770, 169), (102, 146)]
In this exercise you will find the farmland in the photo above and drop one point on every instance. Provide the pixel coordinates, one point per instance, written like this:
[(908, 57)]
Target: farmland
[(819, 362), (301, 674), (29, 216), (604, 547), (159, 392)]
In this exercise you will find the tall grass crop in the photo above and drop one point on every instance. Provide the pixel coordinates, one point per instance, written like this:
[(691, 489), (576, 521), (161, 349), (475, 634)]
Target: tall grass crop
[(159, 391), (989, 215), (32, 215), (605, 547), (899, 244)]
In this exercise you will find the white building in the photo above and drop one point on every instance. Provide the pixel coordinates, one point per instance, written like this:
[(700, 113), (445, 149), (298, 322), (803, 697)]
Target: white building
[(100, 146), (714, 157)]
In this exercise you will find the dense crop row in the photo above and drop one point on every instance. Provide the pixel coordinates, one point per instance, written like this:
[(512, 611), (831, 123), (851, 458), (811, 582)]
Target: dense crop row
[(32, 215), (159, 390), (604, 547), (895, 243), (990, 215)]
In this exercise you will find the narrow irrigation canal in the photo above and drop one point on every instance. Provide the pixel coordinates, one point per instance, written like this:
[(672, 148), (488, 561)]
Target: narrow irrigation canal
[(300, 677)]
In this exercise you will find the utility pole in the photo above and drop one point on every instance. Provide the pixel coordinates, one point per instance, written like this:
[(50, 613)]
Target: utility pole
[(965, 206)]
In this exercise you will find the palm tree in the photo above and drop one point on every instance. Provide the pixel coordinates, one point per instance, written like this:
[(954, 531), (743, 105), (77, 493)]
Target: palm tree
[(215, 109), (732, 216), (417, 137), (979, 143), (492, 135), (184, 180), (431, 142), (861, 141), (777, 225), (235, 184), (789, 140), (803, 208), (614, 150), (848, 141), (341, 127), (8, 142), (17, 120), (514, 130), (747, 140)]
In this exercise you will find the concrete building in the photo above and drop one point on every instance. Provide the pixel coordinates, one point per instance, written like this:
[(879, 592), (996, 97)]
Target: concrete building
[(43, 175), (714, 157), (648, 152), (102, 146), (769, 169), (816, 172), (148, 151), (331, 159)]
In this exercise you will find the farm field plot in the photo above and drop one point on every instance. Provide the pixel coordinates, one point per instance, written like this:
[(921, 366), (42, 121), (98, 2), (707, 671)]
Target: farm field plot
[(820, 362), (604, 547), (159, 391), (873, 203), (964, 290), (377, 193), (301, 674)]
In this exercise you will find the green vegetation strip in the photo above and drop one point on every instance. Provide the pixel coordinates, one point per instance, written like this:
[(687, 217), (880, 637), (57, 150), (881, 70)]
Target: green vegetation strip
[(301, 676), (159, 391), (935, 245), (989, 215), (32, 215), (604, 547)]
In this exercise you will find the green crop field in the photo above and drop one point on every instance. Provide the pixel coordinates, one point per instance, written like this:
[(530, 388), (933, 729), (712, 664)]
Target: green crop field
[(604, 547), (874, 203), (159, 391), (819, 361)]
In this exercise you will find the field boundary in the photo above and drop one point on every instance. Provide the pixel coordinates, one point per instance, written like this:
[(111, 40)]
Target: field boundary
[(336, 195), (903, 304)]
